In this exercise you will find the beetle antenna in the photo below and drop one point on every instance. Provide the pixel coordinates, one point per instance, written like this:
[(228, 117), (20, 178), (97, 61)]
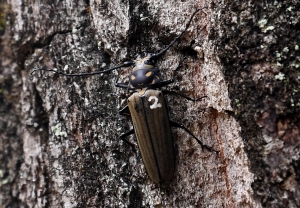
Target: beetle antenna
[(155, 56), (125, 64)]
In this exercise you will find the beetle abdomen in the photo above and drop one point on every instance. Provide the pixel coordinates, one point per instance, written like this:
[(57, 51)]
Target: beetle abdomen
[(153, 132)]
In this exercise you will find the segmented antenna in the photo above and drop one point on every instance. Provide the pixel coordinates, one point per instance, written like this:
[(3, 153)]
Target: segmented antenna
[(155, 56), (128, 63), (125, 64)]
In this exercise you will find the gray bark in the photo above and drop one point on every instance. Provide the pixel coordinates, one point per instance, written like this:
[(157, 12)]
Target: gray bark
[(59, 141)]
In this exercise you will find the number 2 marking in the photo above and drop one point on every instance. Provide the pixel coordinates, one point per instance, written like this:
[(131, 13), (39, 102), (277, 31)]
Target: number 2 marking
[(155, 104)]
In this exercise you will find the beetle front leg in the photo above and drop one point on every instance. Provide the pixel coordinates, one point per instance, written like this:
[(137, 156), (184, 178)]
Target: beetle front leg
[(170, 81), (174, 124), (122, 85)]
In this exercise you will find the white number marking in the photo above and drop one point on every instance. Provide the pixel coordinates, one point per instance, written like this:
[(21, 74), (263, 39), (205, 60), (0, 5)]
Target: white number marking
[(155, 104)]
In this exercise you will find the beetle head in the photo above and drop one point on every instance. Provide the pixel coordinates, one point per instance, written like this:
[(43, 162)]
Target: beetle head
[(144, 72), (143, 62)]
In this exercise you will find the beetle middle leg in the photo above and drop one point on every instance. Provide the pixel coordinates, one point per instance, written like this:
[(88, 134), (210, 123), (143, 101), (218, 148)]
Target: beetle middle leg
[(122, 137), (125, 112), (174, 124), (166, 92)]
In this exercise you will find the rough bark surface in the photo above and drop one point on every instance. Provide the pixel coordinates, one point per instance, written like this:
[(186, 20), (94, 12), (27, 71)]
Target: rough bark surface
[(259, 50), (59, 143)]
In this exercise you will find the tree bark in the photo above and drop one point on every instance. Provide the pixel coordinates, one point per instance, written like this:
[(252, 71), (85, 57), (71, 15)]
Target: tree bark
[(59, 135)]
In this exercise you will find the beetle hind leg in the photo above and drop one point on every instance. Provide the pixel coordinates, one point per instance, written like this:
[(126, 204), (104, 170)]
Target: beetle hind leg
[(174, 124)]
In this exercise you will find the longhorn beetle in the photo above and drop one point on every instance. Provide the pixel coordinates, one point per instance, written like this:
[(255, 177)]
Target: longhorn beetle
[(149, 113)]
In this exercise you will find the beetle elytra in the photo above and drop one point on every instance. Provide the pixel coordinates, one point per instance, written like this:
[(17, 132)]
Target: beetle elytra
[(152, 127)]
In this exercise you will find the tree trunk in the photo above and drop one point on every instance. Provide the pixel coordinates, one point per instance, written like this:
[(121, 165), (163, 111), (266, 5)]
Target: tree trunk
[(59, 135)]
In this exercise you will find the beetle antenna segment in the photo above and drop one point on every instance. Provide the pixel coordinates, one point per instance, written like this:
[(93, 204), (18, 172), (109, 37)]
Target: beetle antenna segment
[(125, 64), (155, 56)]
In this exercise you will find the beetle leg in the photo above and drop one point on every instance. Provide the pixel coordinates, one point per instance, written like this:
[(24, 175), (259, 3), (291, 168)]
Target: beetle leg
[(122, 137), (122, 85), (165, 83), (125, 111), (170, 81), (174, 124), (166, 92)]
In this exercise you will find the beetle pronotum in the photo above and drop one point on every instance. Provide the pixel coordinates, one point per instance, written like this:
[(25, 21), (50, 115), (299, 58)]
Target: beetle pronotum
[(149, 112)]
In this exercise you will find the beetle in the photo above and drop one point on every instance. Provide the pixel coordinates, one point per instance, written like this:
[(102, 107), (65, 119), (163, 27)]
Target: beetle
[(148, 110)]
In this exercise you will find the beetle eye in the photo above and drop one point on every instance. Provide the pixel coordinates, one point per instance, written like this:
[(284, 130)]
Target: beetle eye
[(148, 74), (132, 77)]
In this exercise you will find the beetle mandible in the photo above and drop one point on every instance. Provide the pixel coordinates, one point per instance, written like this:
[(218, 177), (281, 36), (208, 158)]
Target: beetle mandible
[(149, 113)]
